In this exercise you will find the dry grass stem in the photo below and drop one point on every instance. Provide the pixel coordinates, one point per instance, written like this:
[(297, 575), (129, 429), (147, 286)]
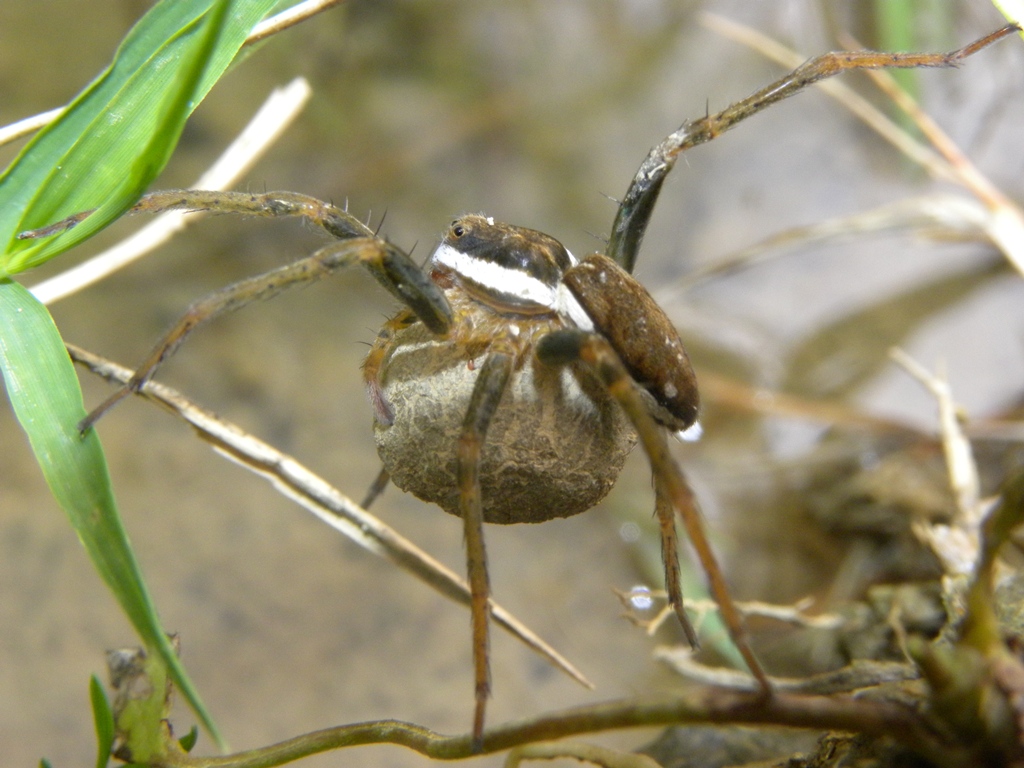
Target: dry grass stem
[(940, 216), (316, 495), (741, 396), (794, 614), (289, 18), (697, 705), (956, 545), (28, 125), (1005, 225), (266, 126), (278, 23), (849, 98), (856, 676), (943, 160)]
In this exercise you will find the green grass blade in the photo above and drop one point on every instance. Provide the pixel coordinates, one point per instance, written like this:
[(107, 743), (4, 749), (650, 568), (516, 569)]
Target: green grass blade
[(117, 135), (188, 741), (896, 24), (103, 720), (44, 392), (107, 147)]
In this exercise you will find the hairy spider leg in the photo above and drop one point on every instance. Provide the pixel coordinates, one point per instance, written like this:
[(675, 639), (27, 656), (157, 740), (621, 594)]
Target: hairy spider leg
[(378, 256), (372, 366), (338, 222), (478, 331), (490, 385), (377, 487), (392, 267), (636, 207), (564, 347), (670, 559), (650, 350)]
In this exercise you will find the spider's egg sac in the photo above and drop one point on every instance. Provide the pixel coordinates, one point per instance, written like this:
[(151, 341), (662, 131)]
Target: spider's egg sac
[(554, 448)]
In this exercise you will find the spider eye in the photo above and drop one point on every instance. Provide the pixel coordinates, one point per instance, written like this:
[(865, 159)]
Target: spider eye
[(457, 229)]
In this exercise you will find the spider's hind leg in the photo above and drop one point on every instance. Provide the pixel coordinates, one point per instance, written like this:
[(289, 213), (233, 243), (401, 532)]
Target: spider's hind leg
[(377, 487), (490, 385), (670, 559), (565, 347)]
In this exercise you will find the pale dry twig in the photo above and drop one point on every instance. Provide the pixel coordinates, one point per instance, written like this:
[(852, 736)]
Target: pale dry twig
[(266, 126), (314, 494)]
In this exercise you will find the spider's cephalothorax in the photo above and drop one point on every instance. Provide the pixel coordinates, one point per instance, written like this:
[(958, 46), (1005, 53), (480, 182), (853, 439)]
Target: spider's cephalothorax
[(557, 442)]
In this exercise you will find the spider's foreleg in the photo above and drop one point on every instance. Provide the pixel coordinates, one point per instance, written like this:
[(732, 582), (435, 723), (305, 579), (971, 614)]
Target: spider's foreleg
[(568, 346), (637, 205), (487, 392), (338, 222), (391, 266)]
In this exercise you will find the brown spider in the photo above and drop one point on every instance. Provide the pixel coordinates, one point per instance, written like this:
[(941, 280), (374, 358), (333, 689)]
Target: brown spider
[(517, 378)]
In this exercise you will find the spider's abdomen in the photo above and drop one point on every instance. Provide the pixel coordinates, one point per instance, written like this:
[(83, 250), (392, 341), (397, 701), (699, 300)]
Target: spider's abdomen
[(554, 448)]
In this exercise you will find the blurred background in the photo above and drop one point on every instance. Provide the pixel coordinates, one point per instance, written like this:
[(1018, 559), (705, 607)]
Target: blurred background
[(537, 113)]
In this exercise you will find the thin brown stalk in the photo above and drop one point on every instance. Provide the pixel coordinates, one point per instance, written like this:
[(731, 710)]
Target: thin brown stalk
[(700, 705)]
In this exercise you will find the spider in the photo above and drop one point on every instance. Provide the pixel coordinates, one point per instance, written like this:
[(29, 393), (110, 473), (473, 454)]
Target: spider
[(517, 377)]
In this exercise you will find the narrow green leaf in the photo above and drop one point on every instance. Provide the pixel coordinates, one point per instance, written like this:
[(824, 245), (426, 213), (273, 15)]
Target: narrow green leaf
[(103, 718), (46, 398), (117, 135), (188, 741), (896, 28), (107, 147)]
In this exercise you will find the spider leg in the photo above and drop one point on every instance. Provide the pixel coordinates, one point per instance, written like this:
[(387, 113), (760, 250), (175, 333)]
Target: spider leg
[(339, 223), (568, 346), (373, 367), (380, 483), (490, 385), (670, 559), (636, 207), (391, 266)]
